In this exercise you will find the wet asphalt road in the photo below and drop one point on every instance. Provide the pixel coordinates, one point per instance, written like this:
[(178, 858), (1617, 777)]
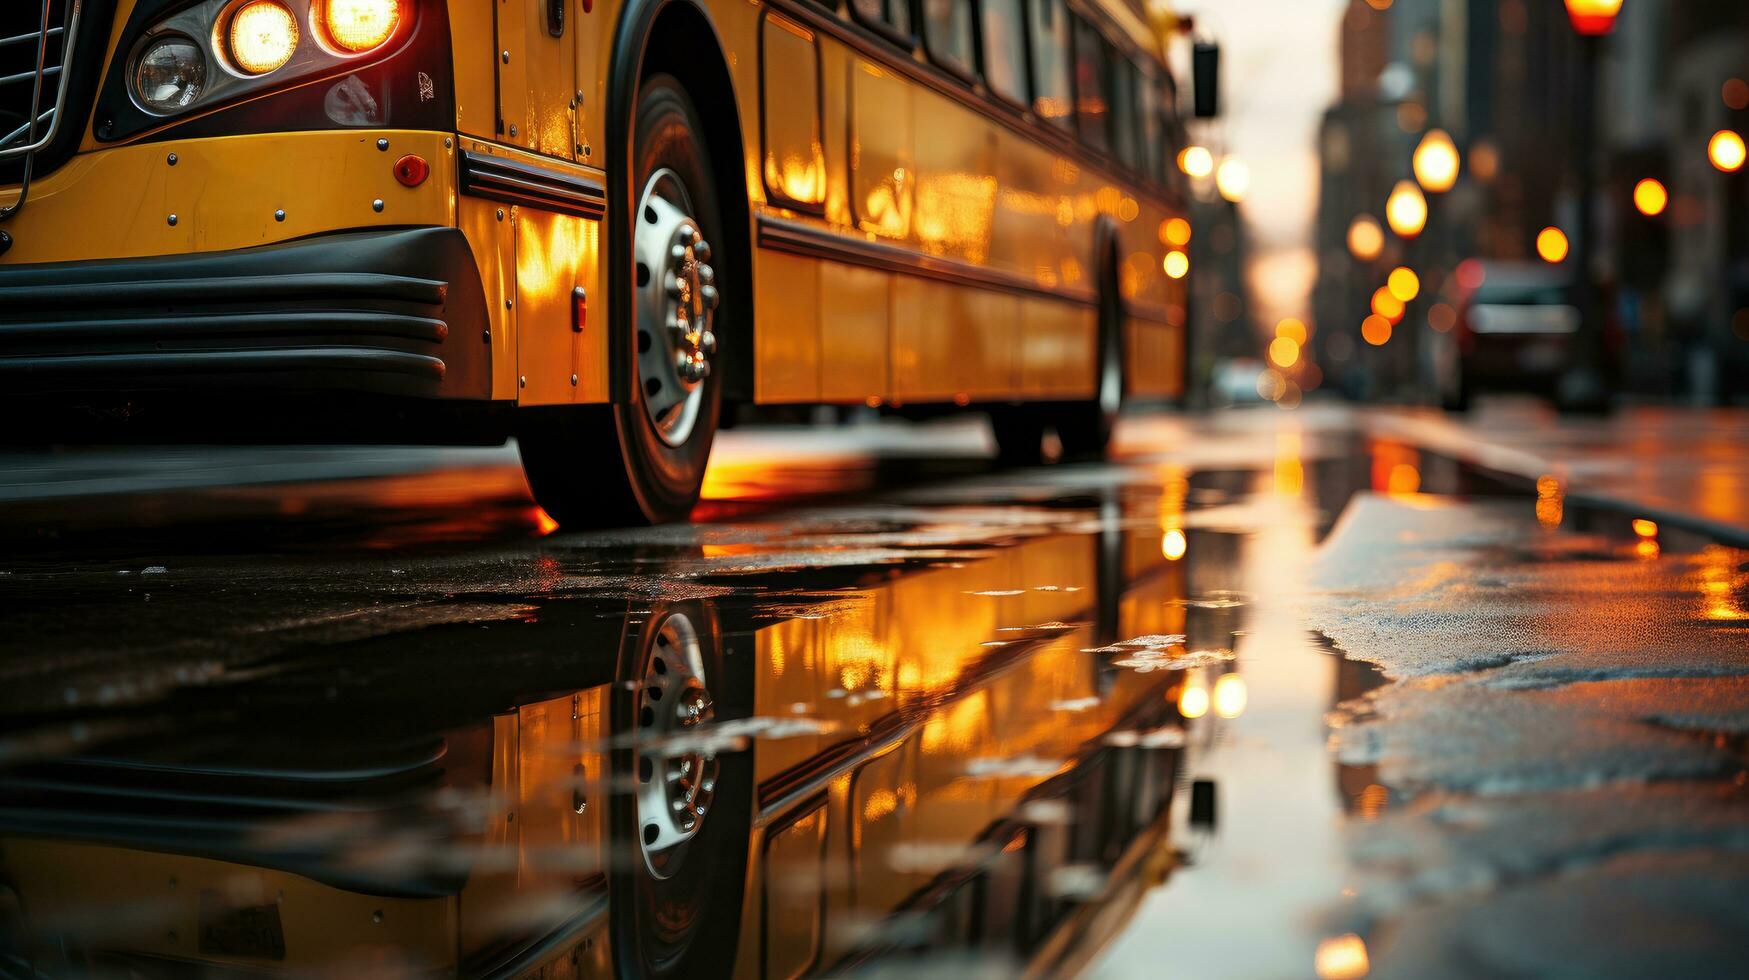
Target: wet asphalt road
[(1271, 695)]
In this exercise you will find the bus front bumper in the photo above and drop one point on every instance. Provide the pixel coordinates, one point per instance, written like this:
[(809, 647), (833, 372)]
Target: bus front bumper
[(396, 312)]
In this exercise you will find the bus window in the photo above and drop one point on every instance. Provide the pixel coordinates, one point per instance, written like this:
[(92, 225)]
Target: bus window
[(1091, 114), (1050, 62), (893, 16), (1148, 108), (1004, 49), (947, 34), (1122, 117)]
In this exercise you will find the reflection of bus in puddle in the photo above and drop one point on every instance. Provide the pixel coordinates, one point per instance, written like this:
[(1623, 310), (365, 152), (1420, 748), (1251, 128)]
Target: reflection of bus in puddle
[(935, 763)]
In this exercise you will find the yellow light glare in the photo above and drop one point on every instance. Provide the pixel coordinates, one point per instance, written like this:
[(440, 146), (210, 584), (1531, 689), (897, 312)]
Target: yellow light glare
[(1196, 161), (1645, 528), (1230, 696), (1436, 162), (1650, 197), (1552, 245), (1404, 283), (1284, 352), (1233, 179), (1726, 151), (1177, 232), (1294, 328), (1193, 701), (359, 25), (263, 36), (1341, 958), (1406, 210), (1176, 264), (1173, 544), (1386, 304), (1365, 238), (1376, 330)]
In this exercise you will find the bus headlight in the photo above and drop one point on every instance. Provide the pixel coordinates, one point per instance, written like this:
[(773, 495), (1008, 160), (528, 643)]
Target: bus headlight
[(262, 37), (170, 74), (354, 26)]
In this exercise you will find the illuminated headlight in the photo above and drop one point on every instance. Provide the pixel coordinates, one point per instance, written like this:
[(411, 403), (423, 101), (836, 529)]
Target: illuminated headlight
[(354, 26), (170, 74), (263, 36)]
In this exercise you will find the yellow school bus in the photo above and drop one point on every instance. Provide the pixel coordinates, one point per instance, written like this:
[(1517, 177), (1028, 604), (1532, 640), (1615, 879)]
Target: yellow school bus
[(587, 224)]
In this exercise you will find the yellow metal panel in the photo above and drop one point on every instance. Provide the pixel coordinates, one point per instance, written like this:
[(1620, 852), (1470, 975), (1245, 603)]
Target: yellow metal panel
[(835, 66), (956, 181), (989, 366), (551, 249), (795, 875), (476, 66), (1155, 366), (882, 181), (793, 162), (224, 192), (103, 887), (1057, 351), (538, 85), (853, 333), (786, 345), (487, 227)]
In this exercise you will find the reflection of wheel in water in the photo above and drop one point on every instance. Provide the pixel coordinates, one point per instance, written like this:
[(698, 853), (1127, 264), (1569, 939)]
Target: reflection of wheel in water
[(680, 830), (677, 776)]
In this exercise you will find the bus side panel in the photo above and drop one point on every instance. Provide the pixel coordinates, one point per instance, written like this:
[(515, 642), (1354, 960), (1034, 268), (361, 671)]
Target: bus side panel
[(853, 333), (786, 344), (1057, 355), (494, 249), (1154, 367), (555, 253), (476, 67), (881, 167)]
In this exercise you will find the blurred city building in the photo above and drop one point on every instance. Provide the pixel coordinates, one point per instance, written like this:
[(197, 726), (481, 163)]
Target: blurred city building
[(1507, 80)]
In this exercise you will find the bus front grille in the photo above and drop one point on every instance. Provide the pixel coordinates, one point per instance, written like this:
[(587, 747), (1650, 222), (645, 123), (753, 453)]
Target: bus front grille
[(35, 39)]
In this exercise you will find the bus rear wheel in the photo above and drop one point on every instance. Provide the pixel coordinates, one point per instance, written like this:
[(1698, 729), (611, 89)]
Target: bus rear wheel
[(642, 460)]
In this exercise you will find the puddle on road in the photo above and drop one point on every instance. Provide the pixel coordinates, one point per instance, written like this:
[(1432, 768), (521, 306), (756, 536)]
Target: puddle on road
[(1069, 720)]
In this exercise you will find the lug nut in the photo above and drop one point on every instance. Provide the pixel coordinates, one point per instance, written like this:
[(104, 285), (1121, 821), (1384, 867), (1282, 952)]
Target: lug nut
[(708, 342), (706, 274), (702, 249), (678, 252), (709, 293)]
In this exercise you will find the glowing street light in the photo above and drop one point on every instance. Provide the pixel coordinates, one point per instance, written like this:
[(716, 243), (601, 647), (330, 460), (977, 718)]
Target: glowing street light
[(1406, 210), (1365, 238), (1436, 162), (1726, 151), (1650, 197), (1593, 18), (1552, 245), (1233, 179)]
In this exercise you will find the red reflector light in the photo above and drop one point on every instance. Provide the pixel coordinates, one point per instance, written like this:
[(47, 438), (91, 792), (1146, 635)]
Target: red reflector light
[(411, 170), (580, 309)]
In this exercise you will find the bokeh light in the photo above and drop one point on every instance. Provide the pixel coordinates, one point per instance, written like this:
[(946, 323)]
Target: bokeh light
[(1406, 209), (1231, 696), (1726, 151), (1176, 264), (1404, 283), (1552, 245), (1375, 330), (1436, 162), (1650, 197), (1284, 352), (1233, 179), (1193, 700), (1387, 305), (1173, 544), (1196, 161), (1365, 238), (1442, 317), (1176, 232), (1294, 329)]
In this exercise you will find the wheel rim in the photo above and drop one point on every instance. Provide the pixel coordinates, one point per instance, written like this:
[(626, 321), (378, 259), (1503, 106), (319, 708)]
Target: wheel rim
[(676, 303), (676, 784)]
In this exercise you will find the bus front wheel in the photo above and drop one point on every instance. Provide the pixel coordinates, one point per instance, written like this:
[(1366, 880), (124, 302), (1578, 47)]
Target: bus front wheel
[(642, 459)]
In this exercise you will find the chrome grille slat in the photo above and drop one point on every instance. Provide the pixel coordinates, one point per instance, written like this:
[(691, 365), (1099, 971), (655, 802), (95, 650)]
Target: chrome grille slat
[(26, 75), (41, 124)]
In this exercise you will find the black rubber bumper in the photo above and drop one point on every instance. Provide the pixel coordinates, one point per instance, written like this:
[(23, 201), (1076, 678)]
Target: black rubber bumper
[(397, 312)]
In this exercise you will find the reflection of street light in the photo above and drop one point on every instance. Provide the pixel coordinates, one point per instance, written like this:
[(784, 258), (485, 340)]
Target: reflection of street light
[(1436, 162), (1365, 238), (1593, 18), (1726, 151), (1406, 209)]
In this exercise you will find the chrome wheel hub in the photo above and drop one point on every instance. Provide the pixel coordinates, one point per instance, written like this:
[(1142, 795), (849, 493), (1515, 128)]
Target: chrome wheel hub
[(676, 782), (676, 300)]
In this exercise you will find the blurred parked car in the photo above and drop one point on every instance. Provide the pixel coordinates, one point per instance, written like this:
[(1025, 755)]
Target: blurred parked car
[(1517, 330)]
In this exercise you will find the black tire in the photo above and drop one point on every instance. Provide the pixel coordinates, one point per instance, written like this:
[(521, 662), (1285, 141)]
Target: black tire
[(686, 920), (606, 465), (1085, 427), (1020, 434)]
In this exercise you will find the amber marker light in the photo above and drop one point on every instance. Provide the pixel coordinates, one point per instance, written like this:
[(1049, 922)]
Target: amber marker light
[(1552, 245), (1436, 162), (263, 36), (1404, 283), (359, 25), (1365, 238), (1650, 198), (1176, 264), (1726, 151), (1406, 209)]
